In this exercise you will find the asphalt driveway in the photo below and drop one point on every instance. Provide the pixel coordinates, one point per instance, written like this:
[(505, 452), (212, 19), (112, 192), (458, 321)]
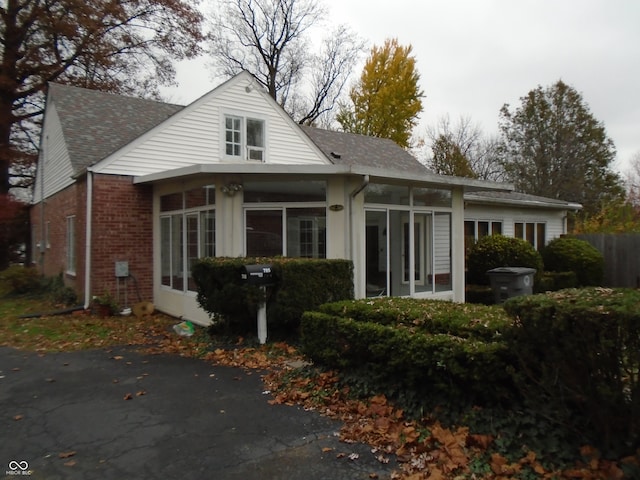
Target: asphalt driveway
[(119, 414)]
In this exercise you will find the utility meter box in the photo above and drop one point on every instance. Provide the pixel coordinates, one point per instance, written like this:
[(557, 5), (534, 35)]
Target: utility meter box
[(260, 275), (508, 282), (122, 269)]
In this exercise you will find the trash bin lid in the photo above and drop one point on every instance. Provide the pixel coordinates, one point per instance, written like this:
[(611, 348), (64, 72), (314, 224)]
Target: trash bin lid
[(511, 271)]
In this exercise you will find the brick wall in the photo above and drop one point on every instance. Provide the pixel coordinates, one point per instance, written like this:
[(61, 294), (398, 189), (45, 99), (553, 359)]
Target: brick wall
[(49, 228), (122, 230)]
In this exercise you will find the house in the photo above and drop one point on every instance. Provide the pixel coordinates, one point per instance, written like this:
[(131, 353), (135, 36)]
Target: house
[(535, 219), (130, 192)]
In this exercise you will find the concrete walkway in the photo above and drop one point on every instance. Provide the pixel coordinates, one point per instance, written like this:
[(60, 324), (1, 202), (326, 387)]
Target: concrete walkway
[(66, 415)]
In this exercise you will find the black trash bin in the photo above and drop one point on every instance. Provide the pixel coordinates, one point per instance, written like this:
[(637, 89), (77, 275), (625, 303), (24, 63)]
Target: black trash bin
[(508, 282)]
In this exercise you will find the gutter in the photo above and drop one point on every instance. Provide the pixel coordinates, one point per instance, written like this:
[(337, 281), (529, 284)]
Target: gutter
[(87, 242)]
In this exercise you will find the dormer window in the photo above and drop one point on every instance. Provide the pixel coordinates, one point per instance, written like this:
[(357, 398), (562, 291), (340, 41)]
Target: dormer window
[(244, 138)]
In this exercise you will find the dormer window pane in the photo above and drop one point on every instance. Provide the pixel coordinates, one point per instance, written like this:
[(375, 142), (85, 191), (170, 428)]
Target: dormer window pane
[(233, 137), (255, 133)]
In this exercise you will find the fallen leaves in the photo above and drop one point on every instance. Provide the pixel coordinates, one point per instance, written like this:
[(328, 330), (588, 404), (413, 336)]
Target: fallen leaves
[(425, 450), (129, 396), (84, 331), (64, 455), (266, 357)]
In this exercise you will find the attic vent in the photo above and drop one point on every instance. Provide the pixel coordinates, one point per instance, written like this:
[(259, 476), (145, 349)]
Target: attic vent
[(335, 155)]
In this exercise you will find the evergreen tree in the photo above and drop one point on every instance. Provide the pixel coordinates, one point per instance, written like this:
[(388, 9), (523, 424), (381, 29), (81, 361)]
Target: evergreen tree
[(552, 146)]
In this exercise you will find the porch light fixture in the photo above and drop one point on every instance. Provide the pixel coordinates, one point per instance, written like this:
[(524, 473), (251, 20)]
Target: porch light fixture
[(231, 189)]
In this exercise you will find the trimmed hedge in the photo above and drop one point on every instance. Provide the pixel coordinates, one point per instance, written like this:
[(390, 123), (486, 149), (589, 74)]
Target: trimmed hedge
[(568, 254), (427, 316), (302, 284), (552, 281), (579, 360), (409, 345), (495, 251)]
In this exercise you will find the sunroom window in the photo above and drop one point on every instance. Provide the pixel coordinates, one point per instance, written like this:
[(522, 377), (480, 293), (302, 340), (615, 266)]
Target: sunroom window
[(187, 233)]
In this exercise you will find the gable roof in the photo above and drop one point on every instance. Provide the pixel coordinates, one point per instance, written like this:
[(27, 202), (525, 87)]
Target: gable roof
[(351, 149), (96, 123), (519, 199)]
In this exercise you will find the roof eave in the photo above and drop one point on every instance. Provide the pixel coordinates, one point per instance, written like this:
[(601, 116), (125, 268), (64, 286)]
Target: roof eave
[(523, 203), (468, 184), (235, 168), (426, 179)]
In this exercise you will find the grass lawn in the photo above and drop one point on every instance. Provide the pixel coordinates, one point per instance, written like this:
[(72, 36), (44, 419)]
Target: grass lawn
[(81, 330)]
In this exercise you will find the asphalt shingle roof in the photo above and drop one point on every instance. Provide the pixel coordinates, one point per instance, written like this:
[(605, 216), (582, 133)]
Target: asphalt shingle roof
[(352, 149), (96, 124), (517, 197)]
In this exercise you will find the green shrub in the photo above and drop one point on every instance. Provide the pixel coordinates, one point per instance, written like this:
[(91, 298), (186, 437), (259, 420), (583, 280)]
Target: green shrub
[(481, 294), (56, 290), (301, 284), (568, 254), (495, 251), (425, 316), (412, 349), (553, 281), (19, 280), (578, 356)]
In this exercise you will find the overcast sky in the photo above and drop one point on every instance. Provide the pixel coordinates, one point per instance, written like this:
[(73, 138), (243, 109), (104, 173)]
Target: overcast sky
[(473, 56)]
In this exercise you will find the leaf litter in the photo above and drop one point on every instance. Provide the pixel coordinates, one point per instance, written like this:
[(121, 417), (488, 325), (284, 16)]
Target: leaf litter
[(424, 450)]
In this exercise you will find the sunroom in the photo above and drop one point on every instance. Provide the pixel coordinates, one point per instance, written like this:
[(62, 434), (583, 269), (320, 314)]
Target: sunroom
[(404, 235)]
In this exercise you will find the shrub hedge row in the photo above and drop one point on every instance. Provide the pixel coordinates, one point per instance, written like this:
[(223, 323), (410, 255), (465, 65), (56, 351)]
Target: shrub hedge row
[(435, 316), (578, 354), (571, 357), (301, 284), (406, 345)]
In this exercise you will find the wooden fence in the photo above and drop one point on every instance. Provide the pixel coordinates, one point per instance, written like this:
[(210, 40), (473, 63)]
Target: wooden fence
[(621, 254)]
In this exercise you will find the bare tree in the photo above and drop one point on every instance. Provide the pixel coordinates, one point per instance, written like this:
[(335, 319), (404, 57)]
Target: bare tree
[(462, 149), (271, 40), (632, 180), (123, 46)]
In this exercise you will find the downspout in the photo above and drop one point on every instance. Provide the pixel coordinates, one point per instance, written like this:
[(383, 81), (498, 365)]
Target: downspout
[(87, 241), (363, 185), (42, 209)]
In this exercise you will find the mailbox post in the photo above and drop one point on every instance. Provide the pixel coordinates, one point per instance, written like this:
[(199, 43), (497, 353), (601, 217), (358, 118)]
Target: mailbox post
[(261, 276)]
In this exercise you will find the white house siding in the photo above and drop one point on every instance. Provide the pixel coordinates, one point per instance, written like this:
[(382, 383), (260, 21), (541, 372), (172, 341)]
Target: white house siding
[(195, 135), (509, 215), (54, 161), (442, 244)]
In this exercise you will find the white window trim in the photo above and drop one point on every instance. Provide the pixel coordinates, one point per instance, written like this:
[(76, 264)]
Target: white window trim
[(71, 259), (244, 148), (535, 231), (490, 223)]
